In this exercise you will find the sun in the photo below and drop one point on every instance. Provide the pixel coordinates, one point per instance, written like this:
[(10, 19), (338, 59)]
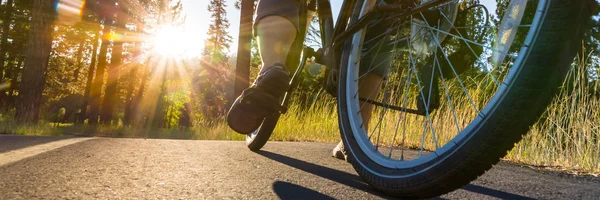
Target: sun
[(173, 42)]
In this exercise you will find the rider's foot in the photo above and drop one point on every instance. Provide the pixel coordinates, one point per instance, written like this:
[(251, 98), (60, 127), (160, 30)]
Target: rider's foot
[(260, 100), (339, 152)]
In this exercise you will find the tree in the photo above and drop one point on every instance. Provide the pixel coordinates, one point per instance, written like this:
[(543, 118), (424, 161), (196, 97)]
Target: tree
[(6, 22), (169, 14), (214, 61), (106, 11), (38, 53), (90, 78), (98, 83), (111, 92), (130, 99)]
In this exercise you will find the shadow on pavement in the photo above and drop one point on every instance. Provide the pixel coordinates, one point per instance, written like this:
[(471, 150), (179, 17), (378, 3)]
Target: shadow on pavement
[(285, 190), (493, 193), (342, 177), (351, 180)]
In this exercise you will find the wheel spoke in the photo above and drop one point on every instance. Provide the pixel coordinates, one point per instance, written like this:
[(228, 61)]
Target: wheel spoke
[(470, 48), (453, 69), (402, 114), (413, 64), (448, 96)]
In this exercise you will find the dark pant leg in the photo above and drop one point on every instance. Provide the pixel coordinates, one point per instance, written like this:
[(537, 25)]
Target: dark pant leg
[(288, 9)]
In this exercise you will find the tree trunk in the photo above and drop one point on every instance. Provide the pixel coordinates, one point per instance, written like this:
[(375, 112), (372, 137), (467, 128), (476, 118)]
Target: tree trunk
[(6, 21), (112, 83), (38, 54), (98, 83), (88, 84), (79, 57), (137, 116), (242, 67), (129, 99), (159, 113), (168, 114), (185, 120)]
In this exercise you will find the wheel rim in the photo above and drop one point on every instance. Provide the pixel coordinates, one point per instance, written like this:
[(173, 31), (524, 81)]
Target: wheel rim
[(438, 148)]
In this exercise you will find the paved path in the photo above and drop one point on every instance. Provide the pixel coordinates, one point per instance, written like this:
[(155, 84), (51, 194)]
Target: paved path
[(102, 168)]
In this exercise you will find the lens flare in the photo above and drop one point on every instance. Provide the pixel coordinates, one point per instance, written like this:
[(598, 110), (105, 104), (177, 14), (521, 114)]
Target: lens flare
[(171, 41), (69, 11)]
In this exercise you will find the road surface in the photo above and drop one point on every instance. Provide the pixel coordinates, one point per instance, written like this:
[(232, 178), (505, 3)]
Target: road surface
[(105, 168)]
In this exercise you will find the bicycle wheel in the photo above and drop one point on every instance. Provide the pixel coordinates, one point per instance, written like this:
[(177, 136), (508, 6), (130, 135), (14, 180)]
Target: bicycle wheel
[(257, 139), (458, 92)]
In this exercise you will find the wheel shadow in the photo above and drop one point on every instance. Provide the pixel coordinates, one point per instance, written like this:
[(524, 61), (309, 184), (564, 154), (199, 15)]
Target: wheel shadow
[(285, 190), (338, 176), (493, 193)]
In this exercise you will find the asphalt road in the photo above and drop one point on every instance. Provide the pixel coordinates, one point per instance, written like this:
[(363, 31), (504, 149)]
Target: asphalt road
[(103, 168)]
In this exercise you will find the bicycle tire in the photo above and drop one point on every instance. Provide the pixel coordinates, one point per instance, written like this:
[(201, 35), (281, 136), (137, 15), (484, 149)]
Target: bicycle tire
[(256, 140), (527, 93)]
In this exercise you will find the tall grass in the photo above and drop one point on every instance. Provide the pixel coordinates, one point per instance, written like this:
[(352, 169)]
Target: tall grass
[(568, 135), (315, 120)]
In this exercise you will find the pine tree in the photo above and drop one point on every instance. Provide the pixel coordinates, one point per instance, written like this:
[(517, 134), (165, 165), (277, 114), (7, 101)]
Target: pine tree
[(214, 62), (219, 41)]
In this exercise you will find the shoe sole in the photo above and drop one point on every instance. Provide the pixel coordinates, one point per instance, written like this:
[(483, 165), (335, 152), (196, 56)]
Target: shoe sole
[(246, 114), (249, 110)]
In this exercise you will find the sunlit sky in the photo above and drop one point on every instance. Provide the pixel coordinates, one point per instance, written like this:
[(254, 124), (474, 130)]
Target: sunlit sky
[(198, 20)]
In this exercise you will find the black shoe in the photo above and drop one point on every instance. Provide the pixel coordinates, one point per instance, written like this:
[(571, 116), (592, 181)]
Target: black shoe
[(263, 98)]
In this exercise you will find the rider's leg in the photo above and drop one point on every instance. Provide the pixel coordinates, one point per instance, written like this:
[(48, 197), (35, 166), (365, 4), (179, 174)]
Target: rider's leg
[(370, 85), (276, 35), (275, 38), (377, 64), (276, 26)]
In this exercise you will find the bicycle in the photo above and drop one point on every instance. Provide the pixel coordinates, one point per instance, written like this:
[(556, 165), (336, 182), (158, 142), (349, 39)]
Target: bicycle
[(475, 93)]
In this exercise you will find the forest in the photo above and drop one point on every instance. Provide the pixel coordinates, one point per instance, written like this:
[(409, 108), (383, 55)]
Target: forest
[(95, 62), (99, 67)]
